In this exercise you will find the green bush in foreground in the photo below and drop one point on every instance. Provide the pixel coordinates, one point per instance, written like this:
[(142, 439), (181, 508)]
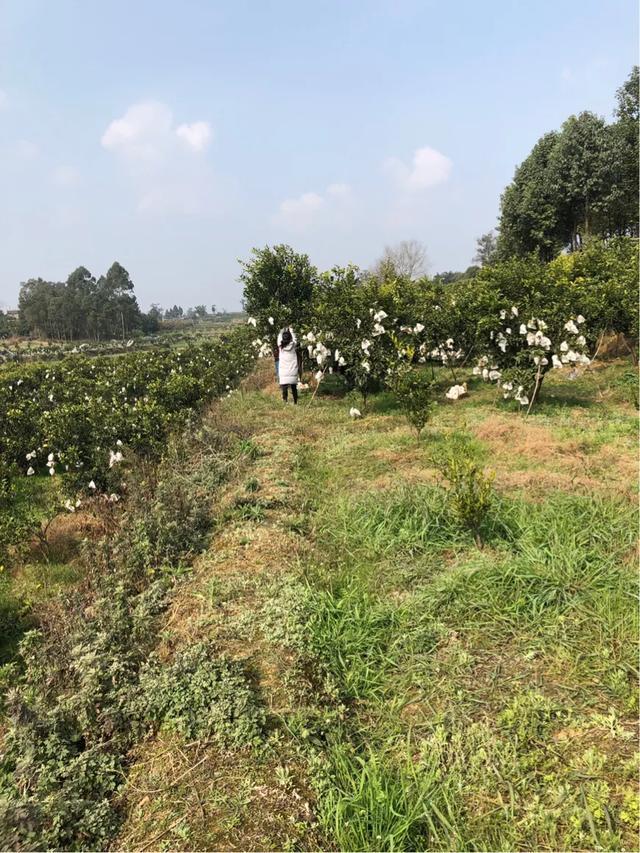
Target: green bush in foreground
[(88, 690)]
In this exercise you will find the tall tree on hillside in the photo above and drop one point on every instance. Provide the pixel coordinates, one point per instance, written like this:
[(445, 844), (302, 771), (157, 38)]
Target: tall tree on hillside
[(117, 288), (578, 170), (623, 158), (59, 306), (80, 303), (486, 249), (33, 306), (628, 97), (579, 182), (278, 283), (529, 219)]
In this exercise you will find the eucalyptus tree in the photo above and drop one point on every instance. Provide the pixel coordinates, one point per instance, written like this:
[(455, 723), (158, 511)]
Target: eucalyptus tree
[(578, 182), (486, 249)]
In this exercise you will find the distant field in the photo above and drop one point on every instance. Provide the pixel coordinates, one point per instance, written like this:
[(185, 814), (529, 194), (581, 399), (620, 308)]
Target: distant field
[(171, 333)]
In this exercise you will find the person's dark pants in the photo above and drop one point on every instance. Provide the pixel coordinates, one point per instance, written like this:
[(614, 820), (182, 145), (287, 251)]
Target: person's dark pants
[(285, 392)]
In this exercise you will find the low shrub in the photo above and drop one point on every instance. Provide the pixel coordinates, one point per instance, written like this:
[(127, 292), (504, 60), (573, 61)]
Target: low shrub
[(200, 696), (414, 390), (470, 494)]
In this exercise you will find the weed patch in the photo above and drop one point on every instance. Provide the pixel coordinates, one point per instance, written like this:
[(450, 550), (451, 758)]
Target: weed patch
[(200, 695), (341, 633), (87, 688)]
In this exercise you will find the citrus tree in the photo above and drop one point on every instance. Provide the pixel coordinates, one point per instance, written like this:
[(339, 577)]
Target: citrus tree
[(279, 287), (75, 418), (522, 348)]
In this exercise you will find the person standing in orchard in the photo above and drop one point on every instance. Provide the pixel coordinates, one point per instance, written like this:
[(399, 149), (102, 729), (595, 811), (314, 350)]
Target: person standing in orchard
[(288, 364)]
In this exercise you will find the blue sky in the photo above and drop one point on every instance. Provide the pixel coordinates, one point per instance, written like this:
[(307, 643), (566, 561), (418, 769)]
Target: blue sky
[(174, 136)]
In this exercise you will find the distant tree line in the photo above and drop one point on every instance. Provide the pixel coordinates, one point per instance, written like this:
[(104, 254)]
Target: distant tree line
[(198, 312), (578, 182), (88, 308), (449, 276), (83, 307)]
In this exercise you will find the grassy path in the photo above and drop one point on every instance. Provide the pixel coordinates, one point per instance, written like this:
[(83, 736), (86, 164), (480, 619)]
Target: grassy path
[(418, 692), (209, 798)]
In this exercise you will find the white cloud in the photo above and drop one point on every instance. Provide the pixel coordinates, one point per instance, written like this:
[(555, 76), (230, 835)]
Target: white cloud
[(159, 157), (146, 133), (143, 132), (65, 176), (311, 208), (196, 135), (428, 169), (299, 212), (339, 191)]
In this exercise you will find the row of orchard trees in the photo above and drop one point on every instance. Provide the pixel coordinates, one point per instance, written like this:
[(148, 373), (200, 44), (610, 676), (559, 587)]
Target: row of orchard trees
[(515, 321), (83, 306), (561, 273)]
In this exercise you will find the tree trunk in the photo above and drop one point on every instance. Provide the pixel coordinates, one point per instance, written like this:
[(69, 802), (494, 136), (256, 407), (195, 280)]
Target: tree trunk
[(539, 376)]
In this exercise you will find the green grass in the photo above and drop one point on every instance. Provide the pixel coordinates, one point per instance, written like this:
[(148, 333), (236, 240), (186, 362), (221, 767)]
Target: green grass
[(351, 633), (423, 688), (406, 521), (460, 669), (14, 620), (374, 800), (25, 577), (447, 696)]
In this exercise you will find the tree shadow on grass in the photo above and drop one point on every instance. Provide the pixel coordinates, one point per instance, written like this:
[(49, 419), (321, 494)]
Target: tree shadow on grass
[(383, 403), (562, 397), (333, 385)]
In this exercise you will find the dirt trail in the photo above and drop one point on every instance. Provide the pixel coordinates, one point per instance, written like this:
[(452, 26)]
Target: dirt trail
[(198, 796)]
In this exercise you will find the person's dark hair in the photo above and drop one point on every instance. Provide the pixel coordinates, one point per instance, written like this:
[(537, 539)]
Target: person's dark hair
[(286, 338)]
